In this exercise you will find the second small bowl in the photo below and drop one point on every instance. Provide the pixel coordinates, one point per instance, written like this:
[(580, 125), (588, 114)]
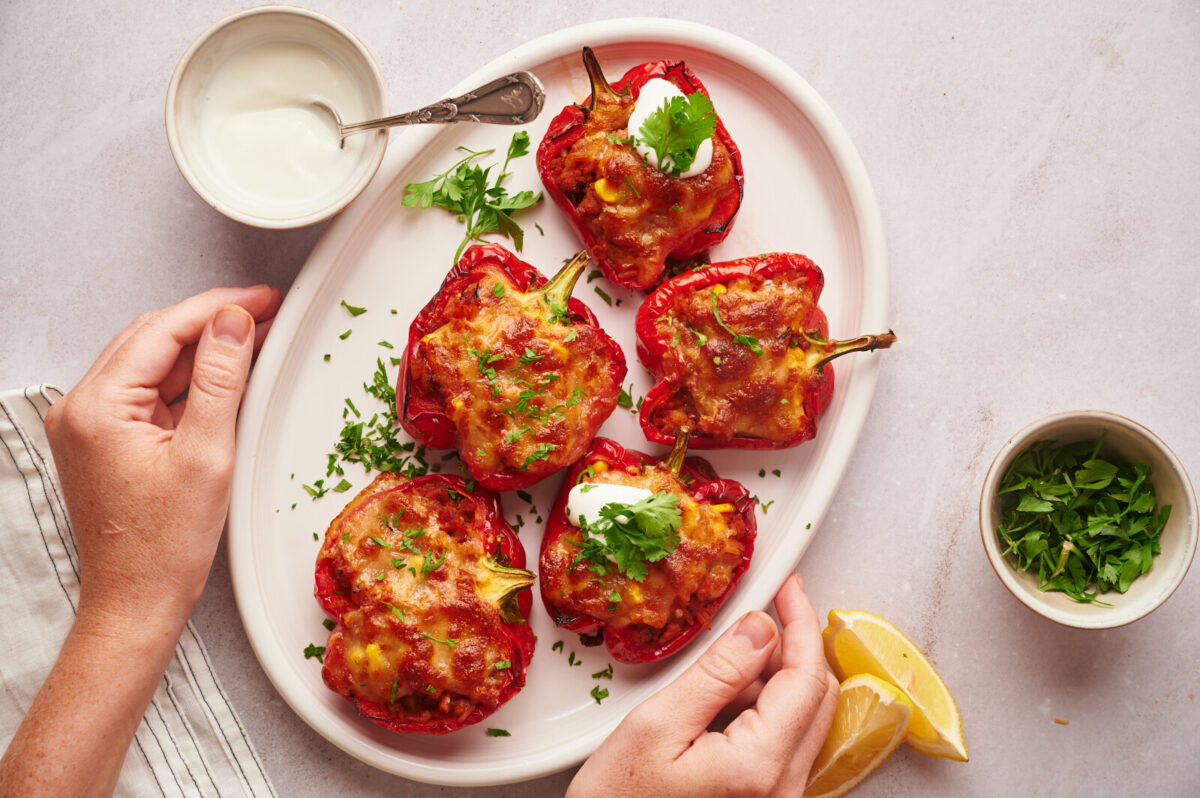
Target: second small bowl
[(1126, 440)]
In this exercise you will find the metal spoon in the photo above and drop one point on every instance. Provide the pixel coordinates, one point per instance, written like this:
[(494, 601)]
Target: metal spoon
[(511, 100)]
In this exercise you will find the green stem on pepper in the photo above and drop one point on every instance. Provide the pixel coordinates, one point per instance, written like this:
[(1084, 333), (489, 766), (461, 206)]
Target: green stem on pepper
[(596, 78), (504, 585), (558, 290), (824, 351), (674, 460)]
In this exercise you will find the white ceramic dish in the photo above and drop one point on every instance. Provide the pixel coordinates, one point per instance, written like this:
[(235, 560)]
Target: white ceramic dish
[(346, 61), (1132, 443), (806, 191)]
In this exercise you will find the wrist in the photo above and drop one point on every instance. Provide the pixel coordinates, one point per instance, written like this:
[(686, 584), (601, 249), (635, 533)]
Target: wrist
[(127, 631)]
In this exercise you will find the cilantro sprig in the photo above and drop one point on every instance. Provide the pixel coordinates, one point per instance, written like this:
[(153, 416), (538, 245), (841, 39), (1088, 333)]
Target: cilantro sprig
[(468, 191), (676, 130), (1079, 520), (628, 536)]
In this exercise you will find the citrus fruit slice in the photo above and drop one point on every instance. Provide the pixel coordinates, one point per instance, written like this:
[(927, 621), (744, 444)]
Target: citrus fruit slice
[(859, 642), (871, 719)]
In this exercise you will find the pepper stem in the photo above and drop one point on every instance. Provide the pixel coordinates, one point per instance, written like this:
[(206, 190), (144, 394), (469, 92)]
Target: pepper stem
[(674, 460), (502, 585), (595, 76), (558, 290), (826, 351)]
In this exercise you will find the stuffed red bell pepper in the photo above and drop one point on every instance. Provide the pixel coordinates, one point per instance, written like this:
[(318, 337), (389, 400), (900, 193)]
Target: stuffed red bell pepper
[(623, 186), (741, 352), (642, 551), (426, 583), (507, 368)]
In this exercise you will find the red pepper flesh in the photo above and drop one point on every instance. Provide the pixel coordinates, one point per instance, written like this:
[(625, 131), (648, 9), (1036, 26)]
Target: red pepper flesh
[(630, 216), (503, 366), (426, 583), (740, 350), (649, 620)]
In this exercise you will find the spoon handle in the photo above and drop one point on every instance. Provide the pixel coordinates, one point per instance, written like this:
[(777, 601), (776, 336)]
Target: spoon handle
[(511, 100)]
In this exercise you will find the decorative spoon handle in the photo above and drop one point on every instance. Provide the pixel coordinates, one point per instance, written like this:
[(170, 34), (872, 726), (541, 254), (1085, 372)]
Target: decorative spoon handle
[(511, 100)]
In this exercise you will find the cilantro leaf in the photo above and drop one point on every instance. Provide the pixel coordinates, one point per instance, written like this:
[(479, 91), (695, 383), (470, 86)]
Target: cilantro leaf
[(628, 536), (676, 130)]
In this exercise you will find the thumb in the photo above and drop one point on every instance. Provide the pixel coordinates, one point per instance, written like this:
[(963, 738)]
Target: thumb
[(728, 667), (222, 362)]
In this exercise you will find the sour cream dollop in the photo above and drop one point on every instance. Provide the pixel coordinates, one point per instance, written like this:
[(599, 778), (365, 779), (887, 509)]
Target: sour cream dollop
[(587, 498), (653, 94)]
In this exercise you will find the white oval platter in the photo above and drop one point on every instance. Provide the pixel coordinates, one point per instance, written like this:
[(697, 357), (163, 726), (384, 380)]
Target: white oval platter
[(805, 191)]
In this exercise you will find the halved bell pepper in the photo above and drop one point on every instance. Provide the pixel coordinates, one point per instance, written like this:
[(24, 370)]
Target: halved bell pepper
[(630, 216), (741, 352), (647, 620), (509, 369), (427, 586)]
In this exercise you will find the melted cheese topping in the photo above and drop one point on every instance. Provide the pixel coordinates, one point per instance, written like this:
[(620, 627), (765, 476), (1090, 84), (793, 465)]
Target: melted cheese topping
[(426, 634), (728, 390), (679, 591), (637, 214), (525, 394)]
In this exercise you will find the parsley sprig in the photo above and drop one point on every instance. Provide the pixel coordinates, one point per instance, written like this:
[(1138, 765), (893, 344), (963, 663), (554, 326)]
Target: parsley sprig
[(1078, 519), (676, 130), (748, 341), (468, 191), (628, 536)]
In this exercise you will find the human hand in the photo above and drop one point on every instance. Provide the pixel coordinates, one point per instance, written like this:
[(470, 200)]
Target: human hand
[(145, 469), (663, 747)]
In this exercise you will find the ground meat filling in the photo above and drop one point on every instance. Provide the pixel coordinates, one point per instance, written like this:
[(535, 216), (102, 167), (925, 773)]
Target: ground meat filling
[(637, 215), (680, 591), (420, 641), (522, 392), (727, 390)]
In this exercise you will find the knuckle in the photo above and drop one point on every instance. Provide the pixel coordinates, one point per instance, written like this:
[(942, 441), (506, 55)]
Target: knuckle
[(217, 377), (721, 667)]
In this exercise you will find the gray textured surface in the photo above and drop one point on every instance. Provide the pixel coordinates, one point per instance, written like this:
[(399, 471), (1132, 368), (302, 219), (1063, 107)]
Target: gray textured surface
[(1036, 166)]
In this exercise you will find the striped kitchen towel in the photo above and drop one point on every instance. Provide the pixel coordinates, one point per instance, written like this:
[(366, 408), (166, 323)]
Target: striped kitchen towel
[(190, 742)]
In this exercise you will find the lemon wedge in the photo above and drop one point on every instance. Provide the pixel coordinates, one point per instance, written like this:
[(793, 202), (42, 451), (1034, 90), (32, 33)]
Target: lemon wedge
[(871, 719), (859, 642)]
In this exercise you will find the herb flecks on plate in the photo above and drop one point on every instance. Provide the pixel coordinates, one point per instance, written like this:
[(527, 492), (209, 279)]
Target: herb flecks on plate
[(1087, 524)]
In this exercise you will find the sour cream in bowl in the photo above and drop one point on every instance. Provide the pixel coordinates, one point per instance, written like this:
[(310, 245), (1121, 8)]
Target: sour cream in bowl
[(244, 128)]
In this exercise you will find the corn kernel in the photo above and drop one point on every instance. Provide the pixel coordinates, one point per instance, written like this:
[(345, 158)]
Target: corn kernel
[(723, 508), (599, 467), (718, 289), (607, 190)]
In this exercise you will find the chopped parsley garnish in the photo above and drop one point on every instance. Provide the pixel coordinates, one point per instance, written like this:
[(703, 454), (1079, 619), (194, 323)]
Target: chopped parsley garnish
[(397, 611), (599, 693), (607, 673), (312, 650), (328, 624), (498, 290), (449, 642), (624, 398), (529, 356), (1082, 521), (468, 191), (558, 646), (498, 733), (600, 291), (542, 451), (676, 130), (502, 665), (345, 335), (430, 565), (628, 536), (748, 341), (633, 188), (395, 687), (572, 662), (341, 487), (354, 311), (386, 344)]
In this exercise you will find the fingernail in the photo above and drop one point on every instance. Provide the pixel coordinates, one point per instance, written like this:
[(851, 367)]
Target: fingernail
[(232, 325), (799, 581), (756, 630)]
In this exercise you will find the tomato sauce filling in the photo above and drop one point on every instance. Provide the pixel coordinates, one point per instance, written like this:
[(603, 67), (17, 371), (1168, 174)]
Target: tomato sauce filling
[(681, 590), (525, 394), (726, 389)]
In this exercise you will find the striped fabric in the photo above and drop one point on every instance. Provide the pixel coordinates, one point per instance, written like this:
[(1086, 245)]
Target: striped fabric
[(190, 742)]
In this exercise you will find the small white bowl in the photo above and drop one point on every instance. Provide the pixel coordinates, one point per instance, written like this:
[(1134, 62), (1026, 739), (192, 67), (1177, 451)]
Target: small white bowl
[(1133, 443), (201, 161)]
